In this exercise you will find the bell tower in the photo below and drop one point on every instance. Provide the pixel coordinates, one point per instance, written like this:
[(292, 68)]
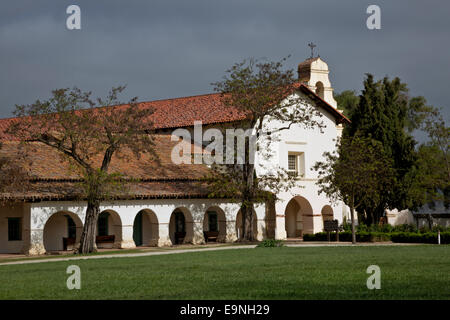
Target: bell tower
[(313, 72)]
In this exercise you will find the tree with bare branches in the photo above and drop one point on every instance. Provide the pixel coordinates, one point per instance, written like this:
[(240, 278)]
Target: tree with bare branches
[(266, 93), (87, 133), (13, 177)]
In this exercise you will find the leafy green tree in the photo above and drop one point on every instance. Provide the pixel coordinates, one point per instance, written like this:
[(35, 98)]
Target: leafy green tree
[(357, 174), (439, 133), (430, 182), (347, 101), (264, 92), (432, 178), (82, 130), (383, 115)]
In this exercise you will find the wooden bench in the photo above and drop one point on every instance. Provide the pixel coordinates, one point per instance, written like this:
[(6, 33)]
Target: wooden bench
[(211, 235), (105, 239), (68, 242), (179, 237)]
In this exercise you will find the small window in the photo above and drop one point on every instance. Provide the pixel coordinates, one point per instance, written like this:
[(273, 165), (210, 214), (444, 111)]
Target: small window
[(14, 229), (293, 164), (296, 164)]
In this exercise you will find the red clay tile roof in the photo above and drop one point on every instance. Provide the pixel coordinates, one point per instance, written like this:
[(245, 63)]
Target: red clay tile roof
[(340, 118), (52, 178), (175, 113), (47, 163), (182, 112), (70, 190)]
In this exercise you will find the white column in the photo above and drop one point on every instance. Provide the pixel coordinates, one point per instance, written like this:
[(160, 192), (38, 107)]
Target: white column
[(231, 231), (280, 229), (36, 244), (37, 220), (198, 237), (317, 223), (280, 224), (127, 238), (164, 238), (261, 223)]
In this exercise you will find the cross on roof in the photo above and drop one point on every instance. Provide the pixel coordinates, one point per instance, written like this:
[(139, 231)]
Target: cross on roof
[(312, 46)]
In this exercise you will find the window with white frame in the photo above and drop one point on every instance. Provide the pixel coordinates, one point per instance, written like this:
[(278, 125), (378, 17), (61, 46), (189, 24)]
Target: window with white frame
[(296, 164), (293, 164)]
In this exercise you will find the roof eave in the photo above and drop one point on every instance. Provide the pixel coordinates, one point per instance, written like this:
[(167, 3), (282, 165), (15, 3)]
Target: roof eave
[(340, 118)]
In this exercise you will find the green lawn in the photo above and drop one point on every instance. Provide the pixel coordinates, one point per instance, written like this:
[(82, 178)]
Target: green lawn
[(407, 272)]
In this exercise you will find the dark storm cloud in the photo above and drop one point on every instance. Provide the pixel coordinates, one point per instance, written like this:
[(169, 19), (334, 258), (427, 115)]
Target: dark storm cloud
[(163, 49)]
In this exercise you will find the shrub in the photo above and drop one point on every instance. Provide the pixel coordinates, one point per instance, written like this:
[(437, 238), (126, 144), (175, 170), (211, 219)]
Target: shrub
[(416, 237), (387, 228), (362, 228), (404, 228), (376, 236), (346, 236), (270, 243), (346, 227), (440, 228)]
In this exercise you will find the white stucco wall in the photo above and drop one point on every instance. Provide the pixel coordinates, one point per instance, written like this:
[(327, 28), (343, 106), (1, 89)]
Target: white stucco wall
[(312, 143), (20, 210), (48, 235)]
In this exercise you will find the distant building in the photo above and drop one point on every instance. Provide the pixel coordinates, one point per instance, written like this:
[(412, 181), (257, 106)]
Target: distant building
[(428, 216)]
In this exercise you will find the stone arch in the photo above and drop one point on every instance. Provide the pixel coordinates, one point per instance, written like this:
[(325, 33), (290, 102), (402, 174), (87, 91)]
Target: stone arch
[(298, 217), (219, 224), (109, 224), (327, 213), (320, 90), (239, 229), (146, 228), (181, 226), (60, 225)]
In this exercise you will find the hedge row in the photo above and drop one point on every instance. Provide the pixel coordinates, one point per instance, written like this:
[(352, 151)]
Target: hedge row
[(403, 237), (413, 237)]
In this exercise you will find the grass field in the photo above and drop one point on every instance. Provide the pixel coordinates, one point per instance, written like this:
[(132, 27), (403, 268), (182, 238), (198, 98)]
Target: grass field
[(407, 272)]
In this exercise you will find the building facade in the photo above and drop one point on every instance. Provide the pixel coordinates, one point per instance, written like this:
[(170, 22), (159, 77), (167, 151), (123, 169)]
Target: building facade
[(168, 206)]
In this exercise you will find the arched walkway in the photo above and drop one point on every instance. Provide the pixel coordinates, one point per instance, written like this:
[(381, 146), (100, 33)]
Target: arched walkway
[(62, 225), (146, 228), (327, 213), (109, 230), (215, 223), (298, 217), (181, 226), (240, 230)]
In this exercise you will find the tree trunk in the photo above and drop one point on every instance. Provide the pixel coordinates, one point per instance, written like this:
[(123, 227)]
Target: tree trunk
[(352, 213), (247, 220), (248, 195), (373, 220), (87, 241), (243, 223)]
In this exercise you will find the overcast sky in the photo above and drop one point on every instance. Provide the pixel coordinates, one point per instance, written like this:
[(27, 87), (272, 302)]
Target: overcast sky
[(165, 49)]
